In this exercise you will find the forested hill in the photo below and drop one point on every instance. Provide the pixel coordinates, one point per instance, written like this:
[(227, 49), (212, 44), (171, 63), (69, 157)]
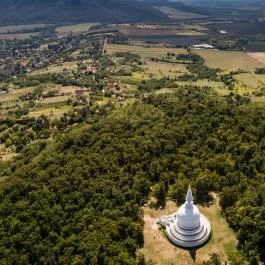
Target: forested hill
[(56, 11), (77, 200)]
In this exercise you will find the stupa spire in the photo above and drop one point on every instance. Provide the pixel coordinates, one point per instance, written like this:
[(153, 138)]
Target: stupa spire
[(189, 198)]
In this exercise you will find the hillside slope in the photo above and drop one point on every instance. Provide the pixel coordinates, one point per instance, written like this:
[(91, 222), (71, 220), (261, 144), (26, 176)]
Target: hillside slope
[(56, 11)]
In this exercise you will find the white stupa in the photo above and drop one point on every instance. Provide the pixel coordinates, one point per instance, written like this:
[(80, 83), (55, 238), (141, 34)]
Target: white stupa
[(187, 227)]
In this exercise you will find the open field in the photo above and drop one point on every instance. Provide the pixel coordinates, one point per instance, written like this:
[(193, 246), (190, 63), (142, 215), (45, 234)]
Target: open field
[(53, 99), (229, 60), (143, 32), (142, 51), (57, 68), (74, 29), (158, 249), (158, 30), (11, 29), (213, 84), (259, 56), (178, 14), (163, 91), (60, 88), (18, 36), (15, 94), (51, 112), (161, 69)]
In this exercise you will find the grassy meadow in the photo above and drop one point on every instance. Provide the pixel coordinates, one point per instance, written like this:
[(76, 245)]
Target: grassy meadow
[(158, 248)]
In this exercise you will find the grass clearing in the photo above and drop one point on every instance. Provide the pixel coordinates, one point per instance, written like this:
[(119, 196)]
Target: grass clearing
[(162, 252)]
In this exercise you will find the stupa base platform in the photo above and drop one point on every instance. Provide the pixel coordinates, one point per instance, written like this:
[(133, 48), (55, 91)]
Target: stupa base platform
[(186, 237)]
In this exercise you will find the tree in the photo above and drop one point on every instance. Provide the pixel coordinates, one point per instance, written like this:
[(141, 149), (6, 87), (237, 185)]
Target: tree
[(159, 193)]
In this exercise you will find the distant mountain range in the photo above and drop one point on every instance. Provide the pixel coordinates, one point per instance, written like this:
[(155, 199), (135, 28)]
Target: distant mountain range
[(54, 11), (112, 11), (58, 11)]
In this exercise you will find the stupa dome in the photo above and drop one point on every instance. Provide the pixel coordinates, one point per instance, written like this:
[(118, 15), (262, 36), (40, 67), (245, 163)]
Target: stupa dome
[(187, 227), (188, 216)]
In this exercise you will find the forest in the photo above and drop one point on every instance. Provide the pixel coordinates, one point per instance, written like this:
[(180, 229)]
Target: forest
[(77, 200)]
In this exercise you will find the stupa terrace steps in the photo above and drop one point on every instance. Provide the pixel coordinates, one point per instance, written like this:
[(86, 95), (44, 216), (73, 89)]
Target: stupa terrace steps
[(177, 229)]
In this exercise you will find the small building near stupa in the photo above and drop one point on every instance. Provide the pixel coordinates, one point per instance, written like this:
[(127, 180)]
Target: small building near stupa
[(187, 227)]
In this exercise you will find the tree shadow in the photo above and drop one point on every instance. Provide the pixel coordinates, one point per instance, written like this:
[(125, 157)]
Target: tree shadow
[(157, 205), (207, 201)]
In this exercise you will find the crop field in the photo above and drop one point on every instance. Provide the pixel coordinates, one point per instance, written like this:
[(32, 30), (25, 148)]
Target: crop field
[(155, 30), (229, 60), (178, 14), (75, 29), (144, 52), (158, 249)]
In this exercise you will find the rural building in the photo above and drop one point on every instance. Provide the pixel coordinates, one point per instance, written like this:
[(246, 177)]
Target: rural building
[(79, 92), (203, 46), (91, 70), (112, 83), (114, 90), (187, 227)]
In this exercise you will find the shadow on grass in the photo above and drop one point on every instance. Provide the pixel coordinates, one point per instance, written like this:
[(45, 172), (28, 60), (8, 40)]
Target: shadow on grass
[(157, 206)]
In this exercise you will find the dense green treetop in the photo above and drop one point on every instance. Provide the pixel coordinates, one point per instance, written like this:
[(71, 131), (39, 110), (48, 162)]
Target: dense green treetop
[(77, 200)]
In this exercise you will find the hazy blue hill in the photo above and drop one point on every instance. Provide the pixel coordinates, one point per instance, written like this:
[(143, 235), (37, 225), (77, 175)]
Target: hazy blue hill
[(53, 11)]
